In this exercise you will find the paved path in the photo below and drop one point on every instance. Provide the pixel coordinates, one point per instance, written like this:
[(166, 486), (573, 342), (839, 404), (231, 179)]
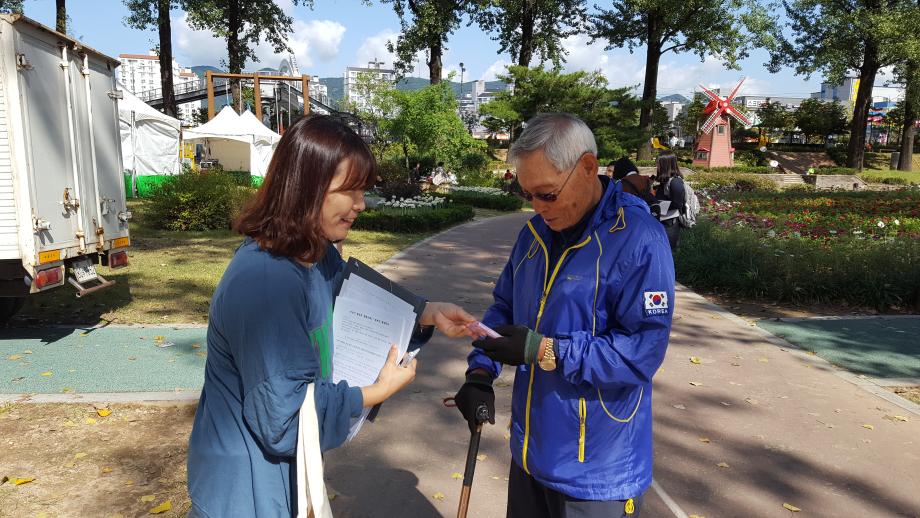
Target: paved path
[(789, 427)]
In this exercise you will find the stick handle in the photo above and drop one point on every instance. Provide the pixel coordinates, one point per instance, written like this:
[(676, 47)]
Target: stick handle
[(469, 471)]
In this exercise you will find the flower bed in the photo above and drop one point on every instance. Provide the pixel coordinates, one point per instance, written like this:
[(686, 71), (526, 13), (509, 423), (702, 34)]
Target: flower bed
[(484, 198), (858, 248), (419, 214)]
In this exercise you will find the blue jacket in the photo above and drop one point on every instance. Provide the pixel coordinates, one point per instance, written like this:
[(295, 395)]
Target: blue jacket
[(585, 429), (269, 335)]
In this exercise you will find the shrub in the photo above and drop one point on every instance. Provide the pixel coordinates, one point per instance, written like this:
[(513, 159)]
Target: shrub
[(413, 220), (500, 201), (740, 181), (481, 178), (744, 169), (198, 201), (838, 154), (395, 181), (836, 170)]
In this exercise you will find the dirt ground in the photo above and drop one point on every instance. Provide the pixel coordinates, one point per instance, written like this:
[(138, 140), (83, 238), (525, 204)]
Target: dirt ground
[(753, 309), (124, 464)]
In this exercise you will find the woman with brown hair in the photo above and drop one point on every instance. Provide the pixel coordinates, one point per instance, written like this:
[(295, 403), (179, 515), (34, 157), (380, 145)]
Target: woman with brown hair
[(671, 189), (269, 328)]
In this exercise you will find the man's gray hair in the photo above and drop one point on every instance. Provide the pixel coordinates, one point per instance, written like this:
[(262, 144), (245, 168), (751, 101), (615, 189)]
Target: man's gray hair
[(562, 137)]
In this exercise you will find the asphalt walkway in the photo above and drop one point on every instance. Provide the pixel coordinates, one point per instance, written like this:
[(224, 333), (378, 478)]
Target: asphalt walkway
[(751, 424)]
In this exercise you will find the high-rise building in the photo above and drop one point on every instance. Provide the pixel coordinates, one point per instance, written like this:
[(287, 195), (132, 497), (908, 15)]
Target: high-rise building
[(375, 70), (141, 72)]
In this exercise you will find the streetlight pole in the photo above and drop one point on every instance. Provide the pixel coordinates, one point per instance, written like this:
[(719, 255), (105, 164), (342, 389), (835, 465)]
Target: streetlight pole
[(462, 70)]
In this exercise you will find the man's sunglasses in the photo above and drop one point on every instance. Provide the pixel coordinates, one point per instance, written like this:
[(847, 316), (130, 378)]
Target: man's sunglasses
[(550, 197)]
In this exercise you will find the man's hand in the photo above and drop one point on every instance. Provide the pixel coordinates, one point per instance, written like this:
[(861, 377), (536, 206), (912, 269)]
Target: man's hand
[(450, 319), (475, 392), (518, 345)]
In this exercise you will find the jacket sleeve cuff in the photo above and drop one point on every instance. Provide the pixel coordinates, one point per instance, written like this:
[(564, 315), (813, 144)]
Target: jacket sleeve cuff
[(355, 401)]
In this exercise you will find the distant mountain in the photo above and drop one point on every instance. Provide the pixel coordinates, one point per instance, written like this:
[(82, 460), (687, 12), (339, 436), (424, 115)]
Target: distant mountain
[(674, 98), (336, 86)]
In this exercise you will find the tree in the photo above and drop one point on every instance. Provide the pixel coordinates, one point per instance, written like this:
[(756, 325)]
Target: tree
[(60, 16), (146, 14), (835, 37), (910, 112), (375, 103), (242, 23), (611, 113), (525, 27), (773, 118), (816, 118), (691, 116), (11, 6), (697, 26), (431, 22)]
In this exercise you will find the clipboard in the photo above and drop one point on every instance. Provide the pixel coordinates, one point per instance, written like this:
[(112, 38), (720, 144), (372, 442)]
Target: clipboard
[(357, 268)]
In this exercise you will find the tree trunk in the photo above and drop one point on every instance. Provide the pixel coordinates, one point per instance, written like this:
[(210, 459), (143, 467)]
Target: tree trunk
[(525, 53), (434, 62), (857, 149), (60, 16), (650, 88), (235, 61), (908, 130), (166, 71)]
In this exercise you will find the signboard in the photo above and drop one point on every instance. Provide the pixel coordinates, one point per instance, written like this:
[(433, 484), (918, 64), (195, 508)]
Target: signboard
[(754, 103)]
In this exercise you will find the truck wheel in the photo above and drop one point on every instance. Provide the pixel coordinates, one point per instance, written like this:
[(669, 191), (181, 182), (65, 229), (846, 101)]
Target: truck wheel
[(9, 306)]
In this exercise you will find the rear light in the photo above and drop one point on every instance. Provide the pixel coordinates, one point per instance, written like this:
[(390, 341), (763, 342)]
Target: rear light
[(118, 259), (49, 277)]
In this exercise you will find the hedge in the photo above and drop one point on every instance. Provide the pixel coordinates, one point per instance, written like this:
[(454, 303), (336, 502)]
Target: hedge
[(741, 181), (507, 203), (743, 169), (413, 220), (197, 201)]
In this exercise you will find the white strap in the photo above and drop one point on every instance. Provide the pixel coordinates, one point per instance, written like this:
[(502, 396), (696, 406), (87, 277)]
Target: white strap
[(311, 489)]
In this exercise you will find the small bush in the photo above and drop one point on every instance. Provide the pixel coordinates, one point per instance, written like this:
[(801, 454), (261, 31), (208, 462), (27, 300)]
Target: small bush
[(198, 201), (740, 181), (741, 169), (838, 154), (395, 181), (505, 202), (479, 178), (413, 220), (836, 170)]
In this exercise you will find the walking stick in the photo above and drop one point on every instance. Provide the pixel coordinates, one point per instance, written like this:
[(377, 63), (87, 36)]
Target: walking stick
[(482, 415)]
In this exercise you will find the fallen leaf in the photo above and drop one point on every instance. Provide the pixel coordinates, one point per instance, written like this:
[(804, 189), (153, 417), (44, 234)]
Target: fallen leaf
[(41, 515), (70, 465), (482, 456), (162, 508), (159, 338), (69, 423), (695, 383), (103, 412), (90, 420), (15, 357), (899, 418), (201, 353), (791, 507), (23, 480), (456, 475), (147, 498), (696, 516), (868, 427), (750, 401), (438, 496), (129, 482), (67, 390), (116, 515), (723, 465), (695, 360), (132, 358), (106, 469), (79, 455), (679, 407), (4, 479), (735, 364), (763, 360), (47, 373), (27, 351), (725, 403), (331, 494), (196, 346), (705, 439)]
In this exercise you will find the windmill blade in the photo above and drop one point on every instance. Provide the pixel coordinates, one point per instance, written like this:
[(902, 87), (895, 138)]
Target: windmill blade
[(710, 94), (732, 95), (711, 121), (738, 115)]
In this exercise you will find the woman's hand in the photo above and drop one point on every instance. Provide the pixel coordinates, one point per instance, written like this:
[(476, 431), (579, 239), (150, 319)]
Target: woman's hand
[(450, 319), (392, 379)]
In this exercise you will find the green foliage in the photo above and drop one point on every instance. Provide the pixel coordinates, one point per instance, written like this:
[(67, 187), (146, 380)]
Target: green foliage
[(820, 119), (870, 273), (198, 201), (525, 27), (11, 6), (413, 220), (838, 155), (892, 177), (749, 157), (395, 181), (738, 169), (610, 113), (836, 170), (740, 181), (507, 203), (425, 25), (774, 118)]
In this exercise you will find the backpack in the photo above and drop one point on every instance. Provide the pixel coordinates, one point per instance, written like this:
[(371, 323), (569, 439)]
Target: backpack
[(687, 217)]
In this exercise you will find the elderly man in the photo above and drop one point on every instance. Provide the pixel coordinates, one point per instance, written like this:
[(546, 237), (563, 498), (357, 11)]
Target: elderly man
[(584, 308)]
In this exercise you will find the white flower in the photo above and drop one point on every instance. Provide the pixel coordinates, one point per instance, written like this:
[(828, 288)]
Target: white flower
[(881, 224), (897, 223)]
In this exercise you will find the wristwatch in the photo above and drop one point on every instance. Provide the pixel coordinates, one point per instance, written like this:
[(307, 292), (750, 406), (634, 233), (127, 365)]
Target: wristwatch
[(548, 361)]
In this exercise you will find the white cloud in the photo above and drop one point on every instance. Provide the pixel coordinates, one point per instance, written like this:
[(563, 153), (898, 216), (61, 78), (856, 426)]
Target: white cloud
[(309, 41), (375, 48), (491, 73)]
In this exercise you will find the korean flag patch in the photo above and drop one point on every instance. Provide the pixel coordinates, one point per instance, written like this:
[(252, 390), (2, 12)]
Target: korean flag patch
[(656, 303)]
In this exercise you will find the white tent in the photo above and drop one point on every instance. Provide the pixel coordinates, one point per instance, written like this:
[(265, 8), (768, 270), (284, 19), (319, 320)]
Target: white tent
[(239, 143), (149, 139)]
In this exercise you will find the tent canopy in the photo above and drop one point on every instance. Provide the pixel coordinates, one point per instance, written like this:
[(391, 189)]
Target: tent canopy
[(222, 133), (149, 139)]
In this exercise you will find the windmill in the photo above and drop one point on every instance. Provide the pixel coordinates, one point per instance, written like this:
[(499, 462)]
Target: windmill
[(714, 145)]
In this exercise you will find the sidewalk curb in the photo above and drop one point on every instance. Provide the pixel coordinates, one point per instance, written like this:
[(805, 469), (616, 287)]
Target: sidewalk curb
[(867, 384)]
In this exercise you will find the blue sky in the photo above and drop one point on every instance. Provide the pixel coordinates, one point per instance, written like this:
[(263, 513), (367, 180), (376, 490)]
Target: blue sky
[(340, 33)]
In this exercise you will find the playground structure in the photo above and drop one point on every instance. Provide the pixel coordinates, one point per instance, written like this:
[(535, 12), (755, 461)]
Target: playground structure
[(256, 78)]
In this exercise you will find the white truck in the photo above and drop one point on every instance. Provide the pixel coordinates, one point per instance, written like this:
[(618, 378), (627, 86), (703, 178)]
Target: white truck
[(62, 194)]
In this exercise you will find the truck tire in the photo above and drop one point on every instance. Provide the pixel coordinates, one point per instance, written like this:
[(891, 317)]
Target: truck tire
[(9, 306)]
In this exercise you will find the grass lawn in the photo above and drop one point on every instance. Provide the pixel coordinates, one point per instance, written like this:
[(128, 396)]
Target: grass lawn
[(900, 177), (172, 276)]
